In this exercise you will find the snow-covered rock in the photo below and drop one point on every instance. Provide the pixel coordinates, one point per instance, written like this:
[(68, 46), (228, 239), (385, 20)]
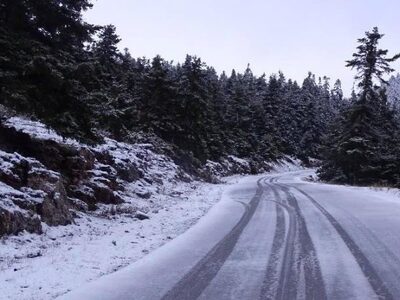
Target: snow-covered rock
[(14, 219), (36, 191), (286, 164), (65, 174), (229, 165), (126, 200), (232, 165)]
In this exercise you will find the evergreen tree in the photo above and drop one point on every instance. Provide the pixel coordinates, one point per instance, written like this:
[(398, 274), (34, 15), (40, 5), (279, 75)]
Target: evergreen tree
[(370, 62), (71, 75), (337, 102), (105, 49), (159, 105), (361, 148), (311, 125), (54, 22)]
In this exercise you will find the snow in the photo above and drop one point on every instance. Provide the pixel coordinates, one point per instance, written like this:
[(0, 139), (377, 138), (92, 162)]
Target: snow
[(178, 257), (337, 264), (103, 241), (141, 156), (359, 210), (110, 238), (63, 258), (6, 194), (8, 161), (286, 164), (244, 274), (369, 215), (77, 257), (239, 161), (37, 130), (393, 91)]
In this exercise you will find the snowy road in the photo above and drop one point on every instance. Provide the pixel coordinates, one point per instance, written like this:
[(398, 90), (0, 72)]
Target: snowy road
[(274, 237)]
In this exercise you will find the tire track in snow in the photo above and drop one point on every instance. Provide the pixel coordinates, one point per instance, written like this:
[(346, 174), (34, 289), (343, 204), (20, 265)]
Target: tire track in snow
[(296, 254), (199, 277), (366, 267), (314, 284), (271, 280), (279, 279), (387, 259)]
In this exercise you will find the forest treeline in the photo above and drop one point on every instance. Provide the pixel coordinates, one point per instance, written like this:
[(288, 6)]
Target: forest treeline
[(71, 75)]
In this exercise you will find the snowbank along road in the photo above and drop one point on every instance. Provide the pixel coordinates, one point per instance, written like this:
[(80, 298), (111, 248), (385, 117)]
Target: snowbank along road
[(274, 237)]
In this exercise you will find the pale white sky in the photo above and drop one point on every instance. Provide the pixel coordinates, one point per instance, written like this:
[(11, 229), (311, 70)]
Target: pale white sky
[(294, 36)]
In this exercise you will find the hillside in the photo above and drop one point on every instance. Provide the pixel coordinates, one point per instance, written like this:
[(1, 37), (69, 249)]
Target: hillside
[(62, 201)]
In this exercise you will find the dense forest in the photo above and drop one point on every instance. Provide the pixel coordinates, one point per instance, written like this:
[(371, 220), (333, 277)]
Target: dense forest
[(72, 76)]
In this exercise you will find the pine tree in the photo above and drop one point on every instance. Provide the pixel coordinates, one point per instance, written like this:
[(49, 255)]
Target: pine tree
[(53, 22), (159, 105), (336, 98), (273, 107), (71, 75), (192, 108), (361, 147), (310, 127), (370, 63), (105, 49)]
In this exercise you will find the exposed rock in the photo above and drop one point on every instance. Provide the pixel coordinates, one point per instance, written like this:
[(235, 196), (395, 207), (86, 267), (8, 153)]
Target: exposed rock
[(143, 194), (34, 255), (41, 179), (76, 166), (88, 158), (54, 210), (85, 194), (128, 172), (28, 199), (14, 219), (124, 168), (78, 204), (50, 176), (104, 194), (18, 172), (13, 222), (13, 169), (141, 215), (229, 165)]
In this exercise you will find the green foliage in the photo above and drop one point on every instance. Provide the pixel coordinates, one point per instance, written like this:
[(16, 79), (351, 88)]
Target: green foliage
[(362, 147), (72, 76)]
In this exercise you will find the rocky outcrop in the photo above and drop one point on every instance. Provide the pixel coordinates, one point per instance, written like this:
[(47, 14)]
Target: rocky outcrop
[(81, 170), (50, 177), (14, 222), (55, 208), (227, 166), (33, 193), (14, 219)]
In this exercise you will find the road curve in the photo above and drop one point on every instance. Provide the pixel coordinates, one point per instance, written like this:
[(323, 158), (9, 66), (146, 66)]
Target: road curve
[(273, 237)]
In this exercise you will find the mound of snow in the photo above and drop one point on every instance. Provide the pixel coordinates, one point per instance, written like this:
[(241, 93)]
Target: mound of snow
[(286, 164), (38, 130)]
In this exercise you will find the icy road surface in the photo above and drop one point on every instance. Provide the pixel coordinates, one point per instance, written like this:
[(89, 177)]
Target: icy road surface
[(273, 237)]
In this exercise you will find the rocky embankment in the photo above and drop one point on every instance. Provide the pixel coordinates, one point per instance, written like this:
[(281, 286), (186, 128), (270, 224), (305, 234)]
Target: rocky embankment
[(47, 179)]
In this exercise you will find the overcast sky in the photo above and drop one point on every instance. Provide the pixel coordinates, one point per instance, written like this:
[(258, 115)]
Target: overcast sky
[(294, 36)]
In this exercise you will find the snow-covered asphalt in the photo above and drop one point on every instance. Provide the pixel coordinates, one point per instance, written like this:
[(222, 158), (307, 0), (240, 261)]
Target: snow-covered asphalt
[(273, 237)]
